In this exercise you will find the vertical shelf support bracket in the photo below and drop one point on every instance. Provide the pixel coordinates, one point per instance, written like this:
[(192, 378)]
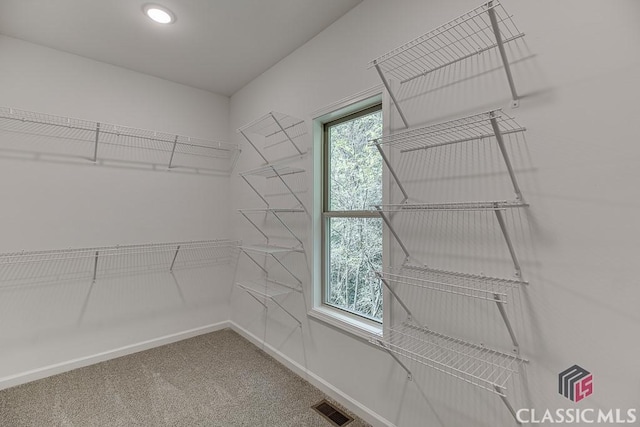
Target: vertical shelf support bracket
[(500, 392), (254, 147), (285, 133), (264, 270), (289, 188), (175, 256), (255, 226), (404, 306), (507, 239), (393, 232), (391, 94), (173, 150), (393, 173), (275, 214), (95, 267), (503, 53), (287, 269), (503, 313), (505, 155), (95, 148), (255, 190), (286, 311), (409, 374)]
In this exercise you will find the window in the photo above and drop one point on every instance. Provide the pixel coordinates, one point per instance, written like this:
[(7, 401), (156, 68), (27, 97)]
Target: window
[(351, 229)]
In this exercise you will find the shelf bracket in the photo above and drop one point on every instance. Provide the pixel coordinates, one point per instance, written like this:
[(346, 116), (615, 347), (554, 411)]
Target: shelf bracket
[(286, 311), (393, 172), (255, 226), (388, 286), (503, 53), (95, 267), (409, 374), (254, 147), (391, 94), (505, 155), (173, 150), (289, 188), (95, 149), (507, 239), (393, 232), (287, 269), (264, 270), (257, 299), (500, 392), (503, 313), (255, 190), (275, 214), (286, 134), (175, 256)]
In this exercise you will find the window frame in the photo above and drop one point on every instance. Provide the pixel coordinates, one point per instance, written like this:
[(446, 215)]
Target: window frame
[(327, 213), (339, 320)]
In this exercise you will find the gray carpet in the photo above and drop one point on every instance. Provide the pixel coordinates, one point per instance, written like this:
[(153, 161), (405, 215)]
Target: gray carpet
[(217, 379)]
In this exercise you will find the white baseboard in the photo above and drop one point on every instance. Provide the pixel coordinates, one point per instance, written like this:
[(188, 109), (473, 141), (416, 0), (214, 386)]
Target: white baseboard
[(338, 395), (59, 368)]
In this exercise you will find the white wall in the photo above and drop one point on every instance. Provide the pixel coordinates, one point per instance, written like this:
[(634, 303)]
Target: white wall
[(578, 74), (57, 201)]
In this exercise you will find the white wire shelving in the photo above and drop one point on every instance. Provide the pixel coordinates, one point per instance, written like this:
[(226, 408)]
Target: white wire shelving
[(274, 171), (269, 291), (99, 262), (275, 128), (484, 28), (475, 364), (486, 288), (271, 251), (477, 127), (175, 150), (496, 206), (277, 214)]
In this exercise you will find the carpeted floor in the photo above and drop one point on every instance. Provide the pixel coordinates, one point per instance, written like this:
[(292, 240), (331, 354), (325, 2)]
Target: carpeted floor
[(217, 379)]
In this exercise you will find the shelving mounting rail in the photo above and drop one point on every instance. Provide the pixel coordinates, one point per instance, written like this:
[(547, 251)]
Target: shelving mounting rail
[(484, 28), (496, 206), (475, 286), (490, 124), (97, 133), (475, 364), (276, 128)]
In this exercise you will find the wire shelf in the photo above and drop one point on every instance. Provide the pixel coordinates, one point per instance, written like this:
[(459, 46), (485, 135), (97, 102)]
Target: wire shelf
[(464, 284), (276, 128), (269, 249), (475, 364), (97, 262), (272, 210), (471, 128), (457, 206), (103, 134), (272, 171), (267, 289), (461, 38)]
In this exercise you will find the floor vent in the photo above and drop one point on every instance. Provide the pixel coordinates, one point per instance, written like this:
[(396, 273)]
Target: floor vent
[(333, 415)]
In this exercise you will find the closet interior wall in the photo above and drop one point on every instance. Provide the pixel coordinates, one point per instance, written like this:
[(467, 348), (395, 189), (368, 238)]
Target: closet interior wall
[(576, 242), (52, 200)]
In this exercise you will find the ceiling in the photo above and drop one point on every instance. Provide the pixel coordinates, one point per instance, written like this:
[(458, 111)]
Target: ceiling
[(216, 45)]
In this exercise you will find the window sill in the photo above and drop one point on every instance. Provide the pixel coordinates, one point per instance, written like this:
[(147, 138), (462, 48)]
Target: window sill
[(344, 322)]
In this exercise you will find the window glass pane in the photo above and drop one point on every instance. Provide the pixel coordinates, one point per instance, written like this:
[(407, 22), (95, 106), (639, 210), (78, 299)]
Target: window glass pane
[(355, 166), (355, 252)]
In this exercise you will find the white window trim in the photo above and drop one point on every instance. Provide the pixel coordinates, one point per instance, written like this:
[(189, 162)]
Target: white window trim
[(340, 319)]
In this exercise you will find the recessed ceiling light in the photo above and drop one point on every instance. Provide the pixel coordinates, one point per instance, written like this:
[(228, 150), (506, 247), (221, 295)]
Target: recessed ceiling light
[(159, 14)]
